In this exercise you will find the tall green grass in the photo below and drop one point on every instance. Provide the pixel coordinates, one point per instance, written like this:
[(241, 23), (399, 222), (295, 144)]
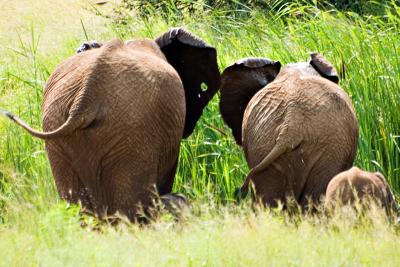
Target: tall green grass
[(364, 50), (37, 228)]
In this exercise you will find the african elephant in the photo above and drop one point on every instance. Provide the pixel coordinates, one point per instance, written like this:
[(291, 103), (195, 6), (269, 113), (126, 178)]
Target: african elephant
[(354, 184), (297, 127), (114, 117)]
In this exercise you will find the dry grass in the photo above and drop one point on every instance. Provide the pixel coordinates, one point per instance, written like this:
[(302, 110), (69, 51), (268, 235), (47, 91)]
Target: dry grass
[(54, 21)]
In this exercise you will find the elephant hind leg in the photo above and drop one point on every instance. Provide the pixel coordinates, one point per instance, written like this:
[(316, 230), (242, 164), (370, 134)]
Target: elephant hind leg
[(280, 148), (167, 182), (126, 186), (69, 185), (264, 164), (317, 182), (175, 203), (271, 186)]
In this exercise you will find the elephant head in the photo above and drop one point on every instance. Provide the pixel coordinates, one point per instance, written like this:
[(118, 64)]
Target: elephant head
[(356, 184), (288, 121)]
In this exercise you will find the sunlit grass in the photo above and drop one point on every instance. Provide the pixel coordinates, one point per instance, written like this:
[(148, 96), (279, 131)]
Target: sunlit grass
[(211, 237), (36, 228)]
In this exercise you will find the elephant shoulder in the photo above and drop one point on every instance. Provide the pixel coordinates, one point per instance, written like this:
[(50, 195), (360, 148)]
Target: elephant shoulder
[(113, 44), (324, 93), (136, 56), (83, 62), (338, 96)]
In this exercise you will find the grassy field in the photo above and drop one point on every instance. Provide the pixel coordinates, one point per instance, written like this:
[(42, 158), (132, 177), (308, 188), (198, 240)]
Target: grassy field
[(37, 229)]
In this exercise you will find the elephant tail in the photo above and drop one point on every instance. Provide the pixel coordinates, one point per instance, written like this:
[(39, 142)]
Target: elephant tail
[(269, 159), (82, 109), (71, 124), (281, 147)]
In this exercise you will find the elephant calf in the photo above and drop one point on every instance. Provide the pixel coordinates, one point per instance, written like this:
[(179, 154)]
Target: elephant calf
[(354, 184), (297, 127), (114, 116)]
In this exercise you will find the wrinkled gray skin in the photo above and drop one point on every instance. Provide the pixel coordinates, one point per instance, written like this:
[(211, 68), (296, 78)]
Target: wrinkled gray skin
[(114, 116), (297, 127), (365, 186)]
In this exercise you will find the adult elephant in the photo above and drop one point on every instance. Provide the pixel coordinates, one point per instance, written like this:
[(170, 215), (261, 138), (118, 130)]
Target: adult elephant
[(297, 127), (114, 117)]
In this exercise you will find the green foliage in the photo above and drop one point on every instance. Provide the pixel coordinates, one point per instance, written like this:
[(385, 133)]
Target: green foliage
[(211, 164), (171, 10), (363, 48), (223, 237)]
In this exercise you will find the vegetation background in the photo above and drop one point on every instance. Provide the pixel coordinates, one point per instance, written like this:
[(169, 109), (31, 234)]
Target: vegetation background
[(361, 38)]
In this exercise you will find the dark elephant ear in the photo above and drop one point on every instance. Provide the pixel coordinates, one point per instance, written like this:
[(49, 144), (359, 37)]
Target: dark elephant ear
[(196, 63), (392, 204), (88, 45), (239, 83), (324, 67)]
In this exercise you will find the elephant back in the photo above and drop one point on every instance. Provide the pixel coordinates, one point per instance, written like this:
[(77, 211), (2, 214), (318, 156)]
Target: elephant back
[(356, 184), (114, 76)]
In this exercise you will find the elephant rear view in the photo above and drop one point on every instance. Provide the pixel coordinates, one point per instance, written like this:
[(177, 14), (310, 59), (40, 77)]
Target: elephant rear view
[(297, 127), (356, 185), (114, 116)]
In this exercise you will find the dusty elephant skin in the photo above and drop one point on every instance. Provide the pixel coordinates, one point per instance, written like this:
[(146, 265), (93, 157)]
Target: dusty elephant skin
[(297, 127), (348, 186), (114, 116)]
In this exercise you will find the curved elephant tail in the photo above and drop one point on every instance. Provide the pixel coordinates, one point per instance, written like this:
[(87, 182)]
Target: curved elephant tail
[(82, 109), (276, 152), (71, 124), (282, 146), (239, 83)]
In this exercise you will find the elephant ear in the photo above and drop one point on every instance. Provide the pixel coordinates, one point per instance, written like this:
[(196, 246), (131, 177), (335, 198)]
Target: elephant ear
[(324, 67), (389, 194), (196, 63), (88, 45), (239, 83)]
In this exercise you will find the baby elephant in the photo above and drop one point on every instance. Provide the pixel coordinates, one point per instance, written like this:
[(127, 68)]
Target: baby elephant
[(297, 127), (353, 184)]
